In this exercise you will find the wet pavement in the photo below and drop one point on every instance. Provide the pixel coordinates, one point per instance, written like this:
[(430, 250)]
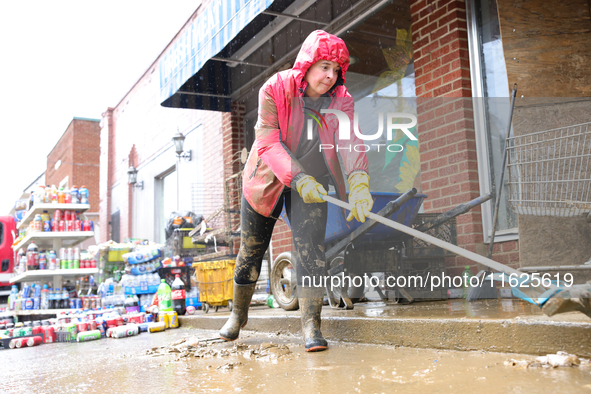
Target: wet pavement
[(264, 363), (505, 325)]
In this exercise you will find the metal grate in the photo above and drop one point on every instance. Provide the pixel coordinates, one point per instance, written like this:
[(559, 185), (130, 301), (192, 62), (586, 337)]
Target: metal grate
[(550, 172)]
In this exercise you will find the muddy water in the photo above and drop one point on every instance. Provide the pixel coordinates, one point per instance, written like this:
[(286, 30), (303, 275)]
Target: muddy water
[(123, 365)]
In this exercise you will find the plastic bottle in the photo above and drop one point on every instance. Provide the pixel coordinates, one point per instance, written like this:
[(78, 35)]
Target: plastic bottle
[(132, 304), (39, 194), (178, 296), (42, 261), (164, 297), (32, 257), (52, 260), (60, 196), (44, 297), (466, 275), (67, 196), (65, 299), (75, 195), (53, 193), (83, 195), (38, 223), (47, 198), (13, 297)]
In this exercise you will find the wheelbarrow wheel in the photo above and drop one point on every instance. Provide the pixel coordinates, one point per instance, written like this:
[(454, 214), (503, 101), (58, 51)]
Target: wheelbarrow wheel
[(205, 307), (355, 293), (283, 282), (230, 305)]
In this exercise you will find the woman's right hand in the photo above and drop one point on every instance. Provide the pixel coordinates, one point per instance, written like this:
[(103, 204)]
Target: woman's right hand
[(310, 190)]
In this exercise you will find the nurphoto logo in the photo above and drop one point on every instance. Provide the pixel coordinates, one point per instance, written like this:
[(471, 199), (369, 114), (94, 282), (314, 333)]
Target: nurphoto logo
[(344, 124)]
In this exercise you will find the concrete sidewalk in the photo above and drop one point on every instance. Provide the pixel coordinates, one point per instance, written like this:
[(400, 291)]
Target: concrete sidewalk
[(506, 325)]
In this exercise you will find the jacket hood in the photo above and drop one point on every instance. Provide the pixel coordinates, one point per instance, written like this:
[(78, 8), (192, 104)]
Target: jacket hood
[(320, 45)]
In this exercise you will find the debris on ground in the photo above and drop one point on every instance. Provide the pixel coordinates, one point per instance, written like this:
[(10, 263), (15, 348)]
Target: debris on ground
[(560, 359), (209, 348)]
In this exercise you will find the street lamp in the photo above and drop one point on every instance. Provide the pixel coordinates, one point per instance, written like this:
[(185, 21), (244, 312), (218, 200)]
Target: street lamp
[(179, 141), (132, 178)]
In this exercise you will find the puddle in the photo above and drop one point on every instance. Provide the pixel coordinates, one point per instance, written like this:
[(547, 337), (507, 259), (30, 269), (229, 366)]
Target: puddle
[(270, 363)]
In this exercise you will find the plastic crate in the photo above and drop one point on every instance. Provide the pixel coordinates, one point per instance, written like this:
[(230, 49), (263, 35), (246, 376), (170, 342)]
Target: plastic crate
[(169, 273), (216, 281)]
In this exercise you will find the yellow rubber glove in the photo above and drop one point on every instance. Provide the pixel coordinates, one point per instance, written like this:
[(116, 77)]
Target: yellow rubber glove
[(359, 197), (310, 190)]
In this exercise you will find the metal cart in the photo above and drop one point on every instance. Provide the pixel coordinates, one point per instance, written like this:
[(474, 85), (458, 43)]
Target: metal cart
[(550, 172)]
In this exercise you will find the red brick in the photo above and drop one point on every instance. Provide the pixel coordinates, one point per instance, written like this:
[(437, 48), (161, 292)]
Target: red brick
[(438, 163), (437, 14), (442, 202), (426, 156), (452, 76), (437, 34), (433, 194), (446, 150), (439, 183), (469, 186), (509, 246), (442, 90), (448, 191), (445, 109), (448, 170), (429, 29), (417, 6), (514, 257), (423, 79), (470, 239), (432, 65), (438, 143), (429, 175), (472, 228)]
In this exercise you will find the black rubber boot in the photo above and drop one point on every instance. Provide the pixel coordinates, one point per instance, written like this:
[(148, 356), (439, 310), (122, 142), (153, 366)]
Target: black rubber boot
[(239, 317), (310, 309)]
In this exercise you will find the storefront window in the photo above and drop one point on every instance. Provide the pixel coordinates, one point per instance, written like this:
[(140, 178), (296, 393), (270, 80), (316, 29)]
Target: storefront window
[(381, 80), (492, 110)]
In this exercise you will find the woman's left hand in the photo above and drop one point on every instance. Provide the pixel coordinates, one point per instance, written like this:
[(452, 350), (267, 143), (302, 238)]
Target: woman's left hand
[(359, 197)]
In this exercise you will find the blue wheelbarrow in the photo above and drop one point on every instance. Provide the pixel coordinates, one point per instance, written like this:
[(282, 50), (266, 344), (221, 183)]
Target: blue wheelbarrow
[(354, 249)]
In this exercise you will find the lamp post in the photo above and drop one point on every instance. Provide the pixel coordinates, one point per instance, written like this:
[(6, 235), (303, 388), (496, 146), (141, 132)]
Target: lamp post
[(179, 141), (132, 178)]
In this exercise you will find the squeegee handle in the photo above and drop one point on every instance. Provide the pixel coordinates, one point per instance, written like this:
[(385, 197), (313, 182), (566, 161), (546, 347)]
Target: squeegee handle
[(429, 238)]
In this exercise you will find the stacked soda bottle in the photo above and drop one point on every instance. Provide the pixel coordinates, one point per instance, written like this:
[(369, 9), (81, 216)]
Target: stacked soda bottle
[(63, 195), (178, 296)]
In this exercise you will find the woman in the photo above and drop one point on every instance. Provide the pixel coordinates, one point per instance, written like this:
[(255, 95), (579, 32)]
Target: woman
[(287, 166)]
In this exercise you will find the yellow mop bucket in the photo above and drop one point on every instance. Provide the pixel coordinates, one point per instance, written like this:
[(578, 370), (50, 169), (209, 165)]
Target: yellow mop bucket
[(216, 283)]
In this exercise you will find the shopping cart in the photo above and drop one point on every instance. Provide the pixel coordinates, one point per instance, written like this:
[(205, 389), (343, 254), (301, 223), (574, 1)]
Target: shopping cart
[(550, 172), (550, 175)]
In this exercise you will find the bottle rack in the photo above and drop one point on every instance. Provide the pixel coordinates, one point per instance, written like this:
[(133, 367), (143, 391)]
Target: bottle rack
[(52, 240)]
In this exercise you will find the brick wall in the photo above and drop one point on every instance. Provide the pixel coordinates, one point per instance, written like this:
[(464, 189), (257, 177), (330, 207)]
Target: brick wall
[(79, 152), (449, 168), (63, 152), (86, 158), (233, 142)]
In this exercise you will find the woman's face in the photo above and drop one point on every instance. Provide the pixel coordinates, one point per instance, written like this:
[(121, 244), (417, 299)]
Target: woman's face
[(321, 76)]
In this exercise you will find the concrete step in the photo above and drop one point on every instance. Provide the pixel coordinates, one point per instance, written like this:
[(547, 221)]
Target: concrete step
[(511, 326)]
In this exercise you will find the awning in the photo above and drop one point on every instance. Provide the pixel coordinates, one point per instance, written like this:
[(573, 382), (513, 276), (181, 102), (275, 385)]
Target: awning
[(209, 33)]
